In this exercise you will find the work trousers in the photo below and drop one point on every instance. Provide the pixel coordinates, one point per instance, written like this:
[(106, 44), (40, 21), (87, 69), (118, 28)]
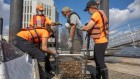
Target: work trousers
[(99, 55), (35, 52)]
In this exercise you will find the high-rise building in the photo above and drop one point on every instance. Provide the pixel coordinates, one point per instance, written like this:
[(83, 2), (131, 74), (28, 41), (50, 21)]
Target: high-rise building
[(29, 9)]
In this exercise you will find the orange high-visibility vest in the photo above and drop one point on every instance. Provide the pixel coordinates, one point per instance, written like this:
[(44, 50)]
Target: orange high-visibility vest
[(42, 20), (95, 32), (36, 39)]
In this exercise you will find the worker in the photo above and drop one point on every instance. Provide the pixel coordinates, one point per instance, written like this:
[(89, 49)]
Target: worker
[(34, 40), (40, 20), (97, 29), (73, 25)]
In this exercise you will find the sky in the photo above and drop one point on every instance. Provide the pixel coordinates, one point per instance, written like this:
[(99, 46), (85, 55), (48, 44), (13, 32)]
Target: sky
[(120, 11), (123, 11), (76, 5), (7, 1)]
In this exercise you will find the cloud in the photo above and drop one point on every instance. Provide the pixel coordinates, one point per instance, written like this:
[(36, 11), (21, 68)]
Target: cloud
[(5, 13), (119, 17), (134, 8)]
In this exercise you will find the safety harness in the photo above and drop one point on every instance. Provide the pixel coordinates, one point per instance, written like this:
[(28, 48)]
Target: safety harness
[(34, 27), (33, 37), (43, 19), (68, 20), (95, 30)]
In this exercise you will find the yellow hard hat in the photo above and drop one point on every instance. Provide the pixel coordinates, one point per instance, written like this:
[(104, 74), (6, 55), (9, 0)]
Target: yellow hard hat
[(39, 7)]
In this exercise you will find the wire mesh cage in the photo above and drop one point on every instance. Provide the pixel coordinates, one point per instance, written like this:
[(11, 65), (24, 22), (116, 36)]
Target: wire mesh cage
[(77, 42), (71, 66)]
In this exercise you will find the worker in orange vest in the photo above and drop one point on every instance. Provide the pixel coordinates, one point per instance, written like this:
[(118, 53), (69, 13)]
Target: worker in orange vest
[(34, 40), (97, 29), (39, 19)]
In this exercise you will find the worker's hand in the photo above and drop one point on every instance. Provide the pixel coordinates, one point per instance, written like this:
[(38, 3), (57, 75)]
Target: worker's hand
[(67, 25), (56, 55), (58, 23), (82, 29)]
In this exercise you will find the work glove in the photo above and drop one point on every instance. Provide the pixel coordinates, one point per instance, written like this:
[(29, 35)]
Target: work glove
[(67, 25), (58, 23), (56, 55), (69, 43)]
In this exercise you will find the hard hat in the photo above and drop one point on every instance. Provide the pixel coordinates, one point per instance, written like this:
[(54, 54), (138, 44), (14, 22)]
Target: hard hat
[(90, 3), (39, 7), (65, 9)]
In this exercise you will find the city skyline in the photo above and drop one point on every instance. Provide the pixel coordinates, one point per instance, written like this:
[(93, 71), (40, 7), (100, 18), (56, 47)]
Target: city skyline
[(127, 10)]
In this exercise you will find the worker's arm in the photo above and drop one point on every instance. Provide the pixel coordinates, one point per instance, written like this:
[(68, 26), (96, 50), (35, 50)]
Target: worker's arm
[(56, 24), (72, 31), (96, 17), (88, 26), (49, 22), (45, 48), (73, 22)]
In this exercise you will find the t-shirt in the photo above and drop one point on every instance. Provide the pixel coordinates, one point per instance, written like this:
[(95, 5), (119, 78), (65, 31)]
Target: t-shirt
[(96, 17), (38, 20), (74, 19), (27, 35)]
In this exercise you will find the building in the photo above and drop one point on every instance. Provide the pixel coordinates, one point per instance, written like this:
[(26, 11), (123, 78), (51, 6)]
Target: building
[(29, 9), (50, 10)]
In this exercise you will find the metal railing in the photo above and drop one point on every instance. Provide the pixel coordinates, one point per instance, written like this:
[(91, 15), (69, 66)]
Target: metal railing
[(126, 34)]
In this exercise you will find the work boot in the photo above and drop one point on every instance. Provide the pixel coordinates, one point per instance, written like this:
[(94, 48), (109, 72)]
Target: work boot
[(98, 73), (104, 73), (92, 76)]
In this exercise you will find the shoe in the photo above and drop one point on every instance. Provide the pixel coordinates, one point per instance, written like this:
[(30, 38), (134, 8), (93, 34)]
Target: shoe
[(92, 76)]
